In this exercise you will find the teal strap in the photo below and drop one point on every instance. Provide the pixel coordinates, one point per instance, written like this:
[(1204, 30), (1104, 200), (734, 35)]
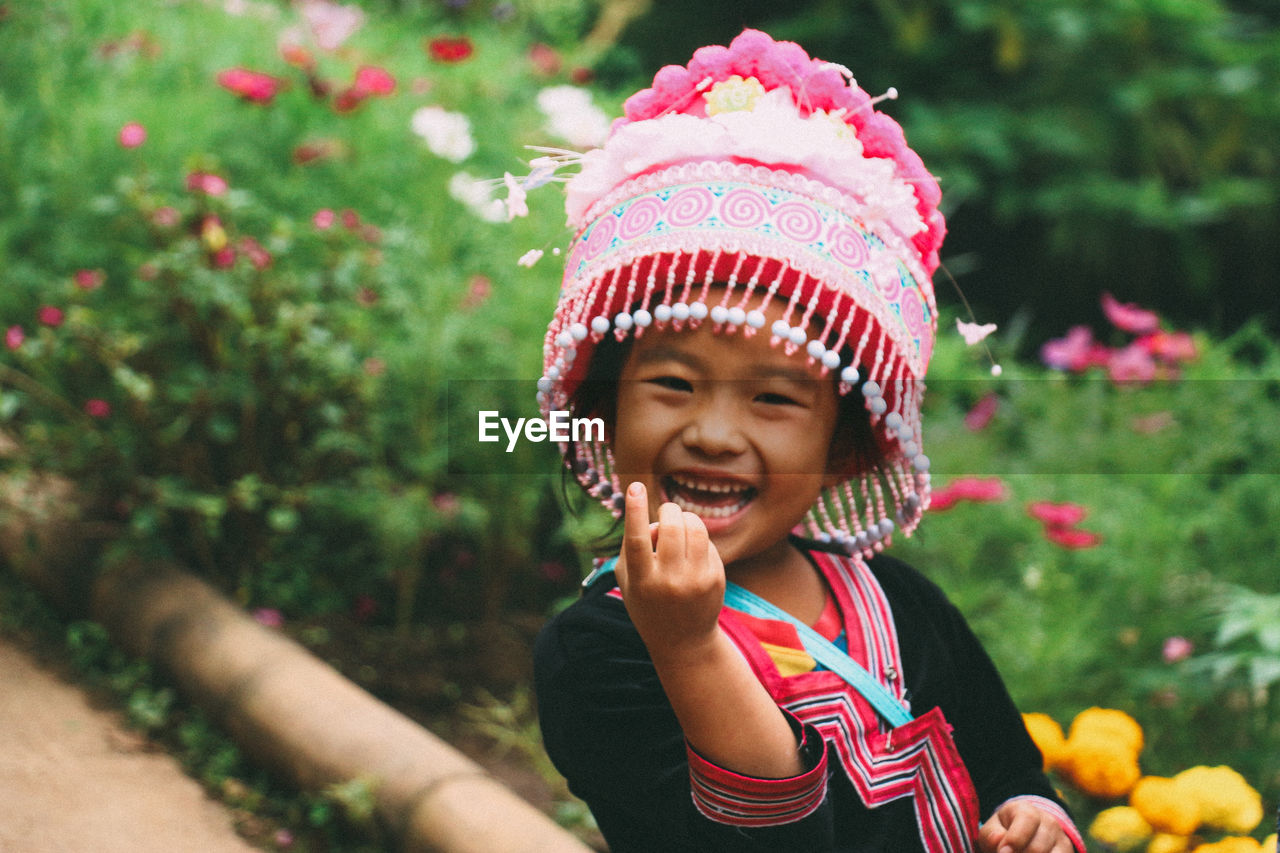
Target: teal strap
[(819, 648)]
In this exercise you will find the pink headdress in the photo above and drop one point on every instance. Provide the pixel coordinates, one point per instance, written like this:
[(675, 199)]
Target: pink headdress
[(763, 172)]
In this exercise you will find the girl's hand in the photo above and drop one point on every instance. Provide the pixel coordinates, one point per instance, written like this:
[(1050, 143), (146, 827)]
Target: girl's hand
[(672, 579), (1019, 827)]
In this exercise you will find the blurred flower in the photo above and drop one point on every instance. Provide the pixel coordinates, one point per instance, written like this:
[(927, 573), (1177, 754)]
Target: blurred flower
[(1075, 352), (530, 258), (1121, 827), (447, 134), (1166, 805), (581, 76), (982, 412), (477, 196), (89, 279), (323, 219), (295, 54), (1177, 649), (132, 135), (977, 489), (1108, 723), (1132, 364), (449, 48), (1048, 738), (573, 116), (367, 296), (331, 24), (167, 217), (14, 336), (374, 367), (447, 504), (972, 332), (283, 839), (1056, 514), (97, 408), (318, 149), (1171, 347), (268, 616), (212, 234), (1163, 842), (516, 205), (148, 271), (1152, 423), (258, 256), (544, 59), (1100, 755), (207, 183), (1072, 538), (1227, 801), (350, 219), (478, 291), (1129, 317), (224, 258), (372, 80), (50, 315), (253, 86), (1236, 844)]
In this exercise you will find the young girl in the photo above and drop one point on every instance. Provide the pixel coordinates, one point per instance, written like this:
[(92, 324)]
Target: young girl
[(747, 305)]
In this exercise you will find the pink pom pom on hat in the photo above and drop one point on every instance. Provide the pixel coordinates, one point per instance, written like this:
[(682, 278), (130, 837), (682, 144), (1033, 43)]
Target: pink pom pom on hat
[(768, 176)]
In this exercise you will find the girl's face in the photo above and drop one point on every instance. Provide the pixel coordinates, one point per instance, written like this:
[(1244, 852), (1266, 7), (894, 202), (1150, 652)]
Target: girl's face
[(726, 427)]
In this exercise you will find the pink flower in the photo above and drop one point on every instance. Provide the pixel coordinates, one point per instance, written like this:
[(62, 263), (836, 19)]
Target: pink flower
[(268, 616), (1177, 649), (97, 408), (1075, 352), (50, 315), (259, 257), (168, 217), (371, 80), (89, 279), (323, 219), (478, 291), (1133, 364), (447, 504), (972, 332), (14, 336), (350, 219), (544, 59), (1171, 347), (252, 86), (976, 489), (1072, 538), (223, 258), (1059, 515), (330, 23), (982, 412), (449, 49), (132, 135), (1129, 317), (207, 183)]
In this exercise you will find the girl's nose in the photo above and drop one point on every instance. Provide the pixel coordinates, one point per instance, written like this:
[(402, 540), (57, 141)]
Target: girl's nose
[(714, 431)]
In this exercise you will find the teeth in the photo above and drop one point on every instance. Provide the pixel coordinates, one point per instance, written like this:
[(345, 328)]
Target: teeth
[(703, 486), (707, 511)]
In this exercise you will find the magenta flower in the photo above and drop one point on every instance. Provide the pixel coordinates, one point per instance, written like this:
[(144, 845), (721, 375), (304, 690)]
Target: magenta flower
[(207, 183), (1072, 538), (976, 489), (1129, 317), (50, 315), (450, 49), (132, 135), (258, 256), (1133, 364), (252, 86), (323, 219), (89, 279), (372, 80), (269, 617), (1170, 347), (981, 414), (1056, 514), (1177, 649), (97, 408), (1075, 352), (14, 336)]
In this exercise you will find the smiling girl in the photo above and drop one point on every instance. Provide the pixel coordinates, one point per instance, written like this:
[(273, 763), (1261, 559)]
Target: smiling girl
[(747, 304)]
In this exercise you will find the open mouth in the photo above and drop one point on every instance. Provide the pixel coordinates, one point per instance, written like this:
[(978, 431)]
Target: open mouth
[(707, 497)]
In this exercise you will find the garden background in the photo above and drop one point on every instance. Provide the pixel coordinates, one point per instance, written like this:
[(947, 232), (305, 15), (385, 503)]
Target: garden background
[(256, 275)]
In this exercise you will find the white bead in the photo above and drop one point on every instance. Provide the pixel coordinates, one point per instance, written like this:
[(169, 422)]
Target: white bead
[(719, 314), (780, 329), (564, 339), (910, 449), (996, 370), (578, 331), (877, 405), (755, 319), (797, 335), (849, 374), (544, 384), (622, 321), (643, 318), (815, 349), (553, 372), (680, 312), (893, 421), (831, 359), (541, 398), (920, 463), (697, 310), (737, 316), (600, 325), (569, 355), (662, 313), (886, 526), (870, 389)]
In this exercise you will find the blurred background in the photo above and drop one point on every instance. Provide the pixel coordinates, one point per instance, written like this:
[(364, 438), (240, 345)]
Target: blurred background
[(257, 276)]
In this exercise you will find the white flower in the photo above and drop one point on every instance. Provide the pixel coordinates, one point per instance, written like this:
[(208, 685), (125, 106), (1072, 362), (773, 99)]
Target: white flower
[(530, 258), (573, 117), (478, 197), (447, 134), (516, 205), (331, 24), (972, 332)]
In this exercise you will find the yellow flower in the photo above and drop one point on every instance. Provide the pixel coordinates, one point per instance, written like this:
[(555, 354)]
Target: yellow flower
[(1163, 842), (1269, 844), (1109, 723), (1227, 801), (1121, 827), (1100, 766), (1167, 805), (1230, 845), (1047, 734), (733, 94)]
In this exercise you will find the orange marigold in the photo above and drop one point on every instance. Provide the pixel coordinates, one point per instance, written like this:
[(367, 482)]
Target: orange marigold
[(1230, 845), (1227, 801), (1048, 736), (1120, 827), (1167, 805), (1163, 842), (1109, 723)]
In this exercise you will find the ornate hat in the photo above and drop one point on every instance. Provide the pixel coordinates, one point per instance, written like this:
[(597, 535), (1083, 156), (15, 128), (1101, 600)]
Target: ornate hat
[(764, 173)]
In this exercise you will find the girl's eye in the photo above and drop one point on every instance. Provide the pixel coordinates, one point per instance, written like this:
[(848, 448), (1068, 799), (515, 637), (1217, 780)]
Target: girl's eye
[(774, 399), (673, 383)]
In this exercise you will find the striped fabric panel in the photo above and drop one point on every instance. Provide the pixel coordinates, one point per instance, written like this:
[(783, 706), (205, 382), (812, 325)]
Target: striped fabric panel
[(1057, 813), (730, 798)]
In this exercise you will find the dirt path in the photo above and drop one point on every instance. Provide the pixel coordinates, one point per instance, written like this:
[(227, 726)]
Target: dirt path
[(75, 779)]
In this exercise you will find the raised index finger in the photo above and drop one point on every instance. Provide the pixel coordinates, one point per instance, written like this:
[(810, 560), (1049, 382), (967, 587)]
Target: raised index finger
[(637, 541)]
